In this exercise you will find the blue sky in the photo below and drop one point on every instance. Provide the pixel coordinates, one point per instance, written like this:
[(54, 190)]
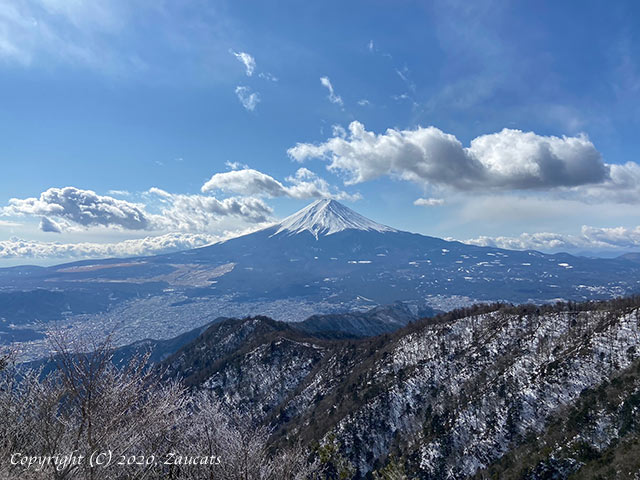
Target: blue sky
[(501, 123)]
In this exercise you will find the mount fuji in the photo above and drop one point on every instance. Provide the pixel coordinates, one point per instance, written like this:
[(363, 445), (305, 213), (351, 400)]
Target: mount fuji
[(328, 251), (326, 258), (325, 217)]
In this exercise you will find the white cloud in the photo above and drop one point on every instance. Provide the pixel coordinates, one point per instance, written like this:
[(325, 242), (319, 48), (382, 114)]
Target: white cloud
[(303, 184), (48, 225), (364, 102), (200, 213), (268, 76), (405, 97), (235, 165), (429, 202), (403, 73), (69, 208), (371, 46), (507, 160), (338, 131), (81, 207), (424, 154), (247, 60), (525, 241), (171, 242), (246, 181), (616, 238), (120, 193), (248, 99), (333, 98), (621, 237), (622, 186), (306, 184), (525, 160)]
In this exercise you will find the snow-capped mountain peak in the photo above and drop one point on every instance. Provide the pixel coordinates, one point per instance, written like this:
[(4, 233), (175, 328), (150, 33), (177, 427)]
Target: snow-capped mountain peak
[(325, 217)]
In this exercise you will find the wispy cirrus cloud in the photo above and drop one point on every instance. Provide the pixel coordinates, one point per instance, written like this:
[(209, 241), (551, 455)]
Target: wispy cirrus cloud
[(333, 97), (268, 76), (429, 202), (117, 38), (248, 98), (75, 32), (247, 60)]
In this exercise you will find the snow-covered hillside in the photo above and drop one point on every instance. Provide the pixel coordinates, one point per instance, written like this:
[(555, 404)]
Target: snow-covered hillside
[(449, 396)]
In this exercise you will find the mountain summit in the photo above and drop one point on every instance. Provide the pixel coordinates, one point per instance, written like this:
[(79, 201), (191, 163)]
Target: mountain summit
[(326, 217)]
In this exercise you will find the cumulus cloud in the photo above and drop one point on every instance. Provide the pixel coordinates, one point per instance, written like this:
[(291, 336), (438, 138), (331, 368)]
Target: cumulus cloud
[(248, 99), (81, 207), (171, 242), (201, 213), (526, 241), (622, 186), (67, 208), (246, 181), (247, 60), (48, 225), (507, 160), (616, 238), (303, 184), (429, 202), (306, 184), (621, 237), (333, 98), (525, 160)]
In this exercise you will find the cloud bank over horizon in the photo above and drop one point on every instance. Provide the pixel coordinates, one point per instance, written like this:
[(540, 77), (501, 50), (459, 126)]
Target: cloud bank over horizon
[(590, 238), (16, 248)]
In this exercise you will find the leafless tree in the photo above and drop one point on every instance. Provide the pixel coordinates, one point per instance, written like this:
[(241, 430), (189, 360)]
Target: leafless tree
[(243, 449), (144, 426)]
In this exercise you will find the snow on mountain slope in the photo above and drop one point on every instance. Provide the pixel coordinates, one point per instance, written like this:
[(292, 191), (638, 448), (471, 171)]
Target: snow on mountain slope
[(446, 396), (326, 217)]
